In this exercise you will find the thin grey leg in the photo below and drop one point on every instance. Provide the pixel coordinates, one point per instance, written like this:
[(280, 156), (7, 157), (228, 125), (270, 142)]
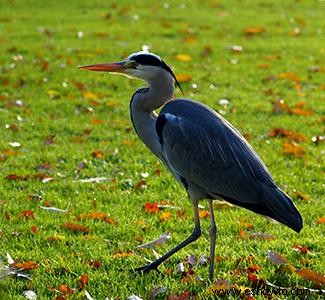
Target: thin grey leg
[(212, 233), (193, 237)]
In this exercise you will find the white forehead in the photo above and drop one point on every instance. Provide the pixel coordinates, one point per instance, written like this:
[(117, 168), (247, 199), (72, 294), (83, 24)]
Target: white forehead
[(143, 53)]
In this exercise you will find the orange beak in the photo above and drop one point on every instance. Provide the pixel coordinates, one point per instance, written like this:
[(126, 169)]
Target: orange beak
[(117, 67)]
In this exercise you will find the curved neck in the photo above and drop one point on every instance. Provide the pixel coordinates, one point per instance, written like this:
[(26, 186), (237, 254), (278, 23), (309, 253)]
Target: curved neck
[(143, 104)]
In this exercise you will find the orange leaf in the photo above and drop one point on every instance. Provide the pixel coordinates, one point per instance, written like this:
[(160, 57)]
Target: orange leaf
[(292, 148), (28, 214), (75, 227), (203, 214), (33, 229), (89, 95), (65, 290), (97, 154), (256, 282), (183, 57), (83, 280), (303, 250), (99, 216), (183, 77), (140, 185), (312, 276), (28, 265), (321, 221), (97, 121), (291, 135), (151, 207), (289, 76), (95, 264), (301, 112), (254, 30), (164, 216)]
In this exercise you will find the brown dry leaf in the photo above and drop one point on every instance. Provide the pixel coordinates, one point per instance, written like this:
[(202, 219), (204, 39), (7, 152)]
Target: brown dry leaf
[(184, 296), (206, 51), (33, 229), (249, 31), (127, 142), (321, 221), (301, 112), (151, 207), (83, 280), (28, 265), (75, 227), (291, 135), (16, 177), (256, 282), (28, 214), (65, 290), (312, 276), (90, 95), (292, 148), (253, 269), (204, 214), (301, 249), (276, 258), (183, 77), (142, 184), (54, 238), (289, 76), (302, 196), (95, 264), (183, 57), (165, 216), (260, 235), (97, 154), (190, 40)]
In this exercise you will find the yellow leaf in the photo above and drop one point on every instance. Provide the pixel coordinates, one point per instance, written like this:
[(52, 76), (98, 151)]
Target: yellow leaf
[(164, 216), (89, 95), (183, 77), (183, 57)]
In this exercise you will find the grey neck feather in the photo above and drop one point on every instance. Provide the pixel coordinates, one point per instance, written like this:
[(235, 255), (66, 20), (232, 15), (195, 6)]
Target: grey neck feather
[(143, 105)]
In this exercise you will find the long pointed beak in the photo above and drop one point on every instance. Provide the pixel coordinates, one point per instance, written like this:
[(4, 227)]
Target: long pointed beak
[(117, 67)]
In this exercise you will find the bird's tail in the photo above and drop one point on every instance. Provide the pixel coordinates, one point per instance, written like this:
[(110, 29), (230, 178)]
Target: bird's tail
[(282, 208)]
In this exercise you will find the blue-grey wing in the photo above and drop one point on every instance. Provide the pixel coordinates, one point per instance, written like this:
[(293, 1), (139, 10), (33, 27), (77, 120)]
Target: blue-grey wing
[(204, 149)]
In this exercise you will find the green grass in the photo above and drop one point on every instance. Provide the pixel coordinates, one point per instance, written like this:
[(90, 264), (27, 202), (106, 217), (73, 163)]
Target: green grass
[(46, 37)]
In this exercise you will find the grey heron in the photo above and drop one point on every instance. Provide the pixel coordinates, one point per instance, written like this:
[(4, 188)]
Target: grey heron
[(204, 152)]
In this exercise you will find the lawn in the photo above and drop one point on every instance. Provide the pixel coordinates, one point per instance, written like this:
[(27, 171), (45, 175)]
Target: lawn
[(62, 127)]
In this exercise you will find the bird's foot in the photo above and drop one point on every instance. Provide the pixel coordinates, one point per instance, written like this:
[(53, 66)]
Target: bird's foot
[(147, 268)]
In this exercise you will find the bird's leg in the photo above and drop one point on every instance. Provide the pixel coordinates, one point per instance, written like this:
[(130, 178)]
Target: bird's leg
[(193, 237), (212, 233)]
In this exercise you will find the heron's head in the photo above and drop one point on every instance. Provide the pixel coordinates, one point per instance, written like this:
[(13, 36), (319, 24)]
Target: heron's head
[(142, 65)]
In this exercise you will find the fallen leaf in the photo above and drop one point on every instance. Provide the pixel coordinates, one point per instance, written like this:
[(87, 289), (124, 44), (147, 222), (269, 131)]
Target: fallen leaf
[(75, 227), (276, 258), (321, 221), (291, 135), (164, 216), (312, 276), (183, 57), (184, 296), (289, 76), (256, 235), (95, 264), (97, 154), (33, 229), (83, 280), (204, 214), (89, 95), (120, 253), (301, 112), (183, 77), (249, 31), (142, 184), (301, 249), (54, 209), (28, 214), (256, 282), (152, 244), (93, 179), (28, 265), (134, 297), (279, 106), (302, 196), (253, 269), (292, 148), (30, 295), (65, 290), (151, 207)]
